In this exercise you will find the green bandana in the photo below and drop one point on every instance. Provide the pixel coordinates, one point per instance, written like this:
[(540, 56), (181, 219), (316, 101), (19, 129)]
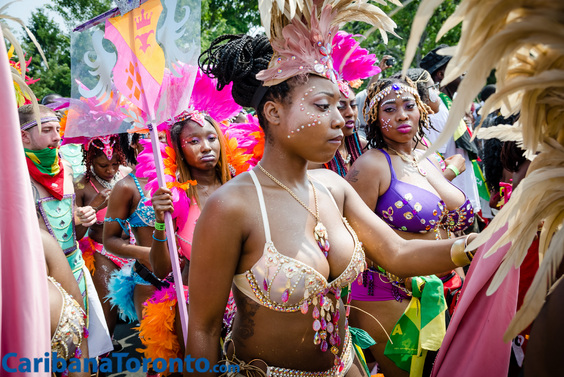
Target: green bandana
[(46, 160)]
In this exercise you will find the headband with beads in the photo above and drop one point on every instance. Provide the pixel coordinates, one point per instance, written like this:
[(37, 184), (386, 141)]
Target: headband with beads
[(107, 145), (398, 88)]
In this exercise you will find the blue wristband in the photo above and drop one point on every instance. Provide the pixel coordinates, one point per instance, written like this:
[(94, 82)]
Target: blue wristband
[(158, 239)]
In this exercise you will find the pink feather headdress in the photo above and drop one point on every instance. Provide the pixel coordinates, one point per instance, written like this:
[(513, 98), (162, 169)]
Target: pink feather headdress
[(205, 100), (301, 33), (352, 62)]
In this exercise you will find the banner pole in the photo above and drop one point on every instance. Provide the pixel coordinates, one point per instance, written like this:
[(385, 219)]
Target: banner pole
[(173, 252)]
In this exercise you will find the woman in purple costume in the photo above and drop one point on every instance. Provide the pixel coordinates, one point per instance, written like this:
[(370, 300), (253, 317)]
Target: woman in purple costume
[(411, 196)]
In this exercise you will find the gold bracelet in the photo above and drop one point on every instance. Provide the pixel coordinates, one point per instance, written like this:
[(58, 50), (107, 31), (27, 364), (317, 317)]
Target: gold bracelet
[(458, 255), (469, 254)]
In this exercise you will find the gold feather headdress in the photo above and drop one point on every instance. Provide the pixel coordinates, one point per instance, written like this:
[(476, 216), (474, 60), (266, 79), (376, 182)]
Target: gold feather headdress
[(524, 41), (301, 33)]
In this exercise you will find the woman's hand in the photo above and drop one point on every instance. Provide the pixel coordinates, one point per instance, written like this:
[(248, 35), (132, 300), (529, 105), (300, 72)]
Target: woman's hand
[(101, 199), (162, 202), (85, 216), (457, 161)]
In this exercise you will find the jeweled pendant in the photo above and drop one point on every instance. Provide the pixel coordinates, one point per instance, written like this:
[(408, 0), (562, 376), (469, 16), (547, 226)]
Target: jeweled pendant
[(324, 346), (323, 324), (316, 325), (285, 296), (265, 285), (305, 307), (320, 234), (315, 313), (316, 339)]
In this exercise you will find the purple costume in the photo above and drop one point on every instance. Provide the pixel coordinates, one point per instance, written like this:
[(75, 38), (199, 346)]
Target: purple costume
[(408, 208)]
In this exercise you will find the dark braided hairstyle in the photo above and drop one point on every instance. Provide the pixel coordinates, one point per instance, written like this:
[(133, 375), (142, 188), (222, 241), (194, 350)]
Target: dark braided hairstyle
[(493, 170), (125, 145), (511, 156), (373, 131), (337, 163), (421, 78), (92, 153), (238, 59)]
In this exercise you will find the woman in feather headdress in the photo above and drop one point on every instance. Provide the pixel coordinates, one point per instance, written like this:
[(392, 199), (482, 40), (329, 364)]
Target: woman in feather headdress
[(278, 234), (353, 64), (522, 41), (196, 164)]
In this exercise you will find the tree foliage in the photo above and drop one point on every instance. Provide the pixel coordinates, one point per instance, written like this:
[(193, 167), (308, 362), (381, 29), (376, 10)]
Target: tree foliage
[(56, 47), (218, 17), (403, 17), (227, 17), (75, 12)]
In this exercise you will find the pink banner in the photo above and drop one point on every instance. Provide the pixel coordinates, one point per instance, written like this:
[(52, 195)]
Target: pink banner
[(24, 305)]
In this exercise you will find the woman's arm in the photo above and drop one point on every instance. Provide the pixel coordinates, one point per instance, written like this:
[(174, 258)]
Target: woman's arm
[(401, 257), (119, 207), (59, 269), (218, 239)]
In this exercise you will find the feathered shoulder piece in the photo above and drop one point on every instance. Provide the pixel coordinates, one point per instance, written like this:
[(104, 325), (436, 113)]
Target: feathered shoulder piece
[(301, 33), (244, 144)]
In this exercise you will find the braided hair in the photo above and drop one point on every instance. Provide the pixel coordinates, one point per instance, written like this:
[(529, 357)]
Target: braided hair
[(337, 163), (92, 153), (222, 167), (421, 78), (125, 142), (238, 59), (371, 114)]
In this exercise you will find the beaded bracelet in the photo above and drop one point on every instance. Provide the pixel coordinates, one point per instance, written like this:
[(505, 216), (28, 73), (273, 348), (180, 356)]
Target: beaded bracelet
[(159, 226), (158, 239), (454, 170)]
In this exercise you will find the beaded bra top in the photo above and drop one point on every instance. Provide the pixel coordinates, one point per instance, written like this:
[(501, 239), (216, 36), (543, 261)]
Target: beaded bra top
[(71, 328), (284, 284), (410, 208), (58, 216), (143, 216)]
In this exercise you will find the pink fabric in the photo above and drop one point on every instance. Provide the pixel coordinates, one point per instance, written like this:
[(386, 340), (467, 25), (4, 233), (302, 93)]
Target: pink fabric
[(23, 280), (473, 344)]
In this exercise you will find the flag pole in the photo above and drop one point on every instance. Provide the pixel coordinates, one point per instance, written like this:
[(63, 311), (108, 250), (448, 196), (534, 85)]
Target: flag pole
[(179, 287)]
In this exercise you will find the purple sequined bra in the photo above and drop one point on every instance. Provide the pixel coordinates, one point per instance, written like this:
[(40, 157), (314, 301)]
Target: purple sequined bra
[(409, 208)]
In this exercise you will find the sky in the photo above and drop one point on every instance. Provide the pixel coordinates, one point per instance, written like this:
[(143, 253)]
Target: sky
[(22, 9)]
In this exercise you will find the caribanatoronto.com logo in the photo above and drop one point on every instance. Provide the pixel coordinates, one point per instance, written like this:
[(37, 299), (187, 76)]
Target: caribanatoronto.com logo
[(119, 362)]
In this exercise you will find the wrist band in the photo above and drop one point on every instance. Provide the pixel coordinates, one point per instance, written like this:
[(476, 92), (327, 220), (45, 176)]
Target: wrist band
[(159, 226), (469, 254), (457, 254), (158, 239), (454, 169)]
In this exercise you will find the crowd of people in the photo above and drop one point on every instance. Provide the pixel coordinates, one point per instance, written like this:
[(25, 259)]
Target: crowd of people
[(337, 246)]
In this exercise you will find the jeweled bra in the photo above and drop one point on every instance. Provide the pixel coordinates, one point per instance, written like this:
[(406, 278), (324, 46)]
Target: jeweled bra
[(285, 284)]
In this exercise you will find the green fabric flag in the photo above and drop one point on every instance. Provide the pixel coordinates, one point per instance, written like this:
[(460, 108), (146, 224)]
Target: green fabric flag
[(481, 182), (420, 328), (361, 340)]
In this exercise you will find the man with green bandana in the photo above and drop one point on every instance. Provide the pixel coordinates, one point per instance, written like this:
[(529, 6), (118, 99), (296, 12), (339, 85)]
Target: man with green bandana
[(53, 190)]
